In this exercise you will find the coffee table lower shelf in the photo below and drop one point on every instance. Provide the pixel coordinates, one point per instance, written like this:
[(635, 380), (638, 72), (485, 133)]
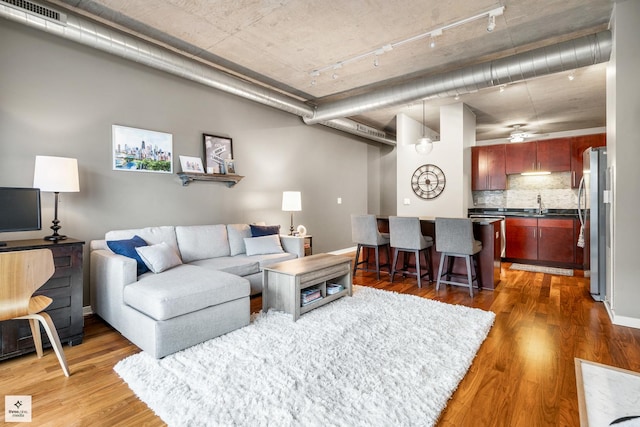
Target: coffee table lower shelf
[(283, 283)]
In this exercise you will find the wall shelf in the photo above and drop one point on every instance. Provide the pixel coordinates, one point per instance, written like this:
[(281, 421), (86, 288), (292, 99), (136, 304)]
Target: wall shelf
[(229, 179)]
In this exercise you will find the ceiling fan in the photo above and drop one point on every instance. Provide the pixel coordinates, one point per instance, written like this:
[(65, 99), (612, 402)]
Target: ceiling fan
[(519, 135)]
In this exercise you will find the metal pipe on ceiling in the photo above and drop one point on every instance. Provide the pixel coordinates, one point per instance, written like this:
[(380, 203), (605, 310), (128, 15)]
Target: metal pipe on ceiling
[(89, 33), (568, 55), (564, 56)]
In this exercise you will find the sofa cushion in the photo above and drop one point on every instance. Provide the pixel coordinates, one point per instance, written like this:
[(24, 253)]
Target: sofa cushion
[(202, 241), (151, 235), (263, 245), (183, 289), (267, 260), (159, 258), (264, 230), (127, 247), (236, 234), (239, 265)]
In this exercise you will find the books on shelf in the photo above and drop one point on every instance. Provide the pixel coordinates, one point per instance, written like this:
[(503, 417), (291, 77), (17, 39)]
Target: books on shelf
[(334, 288), (307, 296)]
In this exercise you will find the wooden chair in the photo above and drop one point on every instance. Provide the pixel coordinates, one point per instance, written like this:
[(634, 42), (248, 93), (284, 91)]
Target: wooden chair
[(21, 274)]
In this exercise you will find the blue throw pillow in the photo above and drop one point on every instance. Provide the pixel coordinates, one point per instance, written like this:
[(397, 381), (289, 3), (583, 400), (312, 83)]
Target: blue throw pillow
[(264, 230), (128, 249)]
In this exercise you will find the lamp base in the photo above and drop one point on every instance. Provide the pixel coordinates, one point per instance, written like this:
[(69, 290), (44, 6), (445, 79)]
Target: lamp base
[(55, 227), (55, 237)]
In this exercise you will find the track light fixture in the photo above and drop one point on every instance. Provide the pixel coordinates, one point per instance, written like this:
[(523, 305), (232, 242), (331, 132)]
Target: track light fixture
[(432, 34), (492, 23)]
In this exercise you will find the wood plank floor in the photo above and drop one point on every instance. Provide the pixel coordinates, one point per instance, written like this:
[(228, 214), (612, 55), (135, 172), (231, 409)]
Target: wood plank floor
[(523, 374)]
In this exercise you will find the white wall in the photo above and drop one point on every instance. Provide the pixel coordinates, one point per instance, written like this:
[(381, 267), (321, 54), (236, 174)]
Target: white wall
[(623, 111), (452, 154)]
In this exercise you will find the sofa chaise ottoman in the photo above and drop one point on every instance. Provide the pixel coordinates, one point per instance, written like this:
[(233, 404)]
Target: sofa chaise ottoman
[(170, 287)]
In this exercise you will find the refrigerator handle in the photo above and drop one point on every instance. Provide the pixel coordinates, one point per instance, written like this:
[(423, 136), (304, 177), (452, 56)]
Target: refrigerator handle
[(580, 193)]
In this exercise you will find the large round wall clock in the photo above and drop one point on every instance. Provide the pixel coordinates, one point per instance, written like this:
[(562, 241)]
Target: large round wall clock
[(428, 181)]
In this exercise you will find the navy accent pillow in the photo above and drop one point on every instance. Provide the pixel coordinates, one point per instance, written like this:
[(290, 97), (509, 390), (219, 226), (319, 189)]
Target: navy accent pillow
[(264, 230), (128, 249)]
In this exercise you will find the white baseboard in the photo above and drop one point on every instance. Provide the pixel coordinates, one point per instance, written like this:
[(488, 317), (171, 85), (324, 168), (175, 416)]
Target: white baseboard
[(87, 310), (344, 251), (630, 322)]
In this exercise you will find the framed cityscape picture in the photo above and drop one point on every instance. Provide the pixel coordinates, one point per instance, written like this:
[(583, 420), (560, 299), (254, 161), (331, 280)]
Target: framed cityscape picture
[(217, 149), (141, 150)]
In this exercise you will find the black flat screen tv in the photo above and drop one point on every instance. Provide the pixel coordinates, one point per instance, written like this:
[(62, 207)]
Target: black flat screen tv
[(19, 209)]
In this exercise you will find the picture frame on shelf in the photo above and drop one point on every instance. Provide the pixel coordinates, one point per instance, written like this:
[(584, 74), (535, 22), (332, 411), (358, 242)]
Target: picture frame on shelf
[(191, 164), (141, 150), (230, 166), (217, 149)]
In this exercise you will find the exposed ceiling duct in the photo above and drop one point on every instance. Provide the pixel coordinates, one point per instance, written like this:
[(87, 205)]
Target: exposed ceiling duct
[(90, 34), (568, 55), (580, 52)]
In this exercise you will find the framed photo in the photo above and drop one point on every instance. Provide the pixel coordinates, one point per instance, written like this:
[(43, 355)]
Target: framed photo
[(191, 164), (141, 150), (217, 149), (230, 166)]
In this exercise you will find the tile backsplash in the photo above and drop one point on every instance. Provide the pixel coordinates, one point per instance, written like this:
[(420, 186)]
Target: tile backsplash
[(522, 192)]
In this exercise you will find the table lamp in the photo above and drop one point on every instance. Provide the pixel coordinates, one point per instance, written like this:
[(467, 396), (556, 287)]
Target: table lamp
[(56, 174), (291, 202)]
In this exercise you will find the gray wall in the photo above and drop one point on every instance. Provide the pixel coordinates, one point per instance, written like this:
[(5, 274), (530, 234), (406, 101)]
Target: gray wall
[(59, 98)]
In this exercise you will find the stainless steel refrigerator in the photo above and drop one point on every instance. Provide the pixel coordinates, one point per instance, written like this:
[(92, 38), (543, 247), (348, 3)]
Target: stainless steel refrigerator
[(592, 212)]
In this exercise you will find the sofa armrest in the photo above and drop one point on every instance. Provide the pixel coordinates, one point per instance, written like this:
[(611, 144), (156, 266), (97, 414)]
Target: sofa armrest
[(293, 244), (109, 274)]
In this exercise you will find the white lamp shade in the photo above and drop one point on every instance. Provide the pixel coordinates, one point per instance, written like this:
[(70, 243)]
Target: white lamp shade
[(291, 201), (424, 146), (56, 174)]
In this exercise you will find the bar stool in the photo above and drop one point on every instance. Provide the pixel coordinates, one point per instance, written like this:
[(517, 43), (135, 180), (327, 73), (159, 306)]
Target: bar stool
[(406, 237), (454, 238), (364, 232)]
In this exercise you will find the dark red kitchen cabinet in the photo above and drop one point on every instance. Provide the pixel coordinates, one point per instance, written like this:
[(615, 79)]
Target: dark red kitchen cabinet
[(488, 168)]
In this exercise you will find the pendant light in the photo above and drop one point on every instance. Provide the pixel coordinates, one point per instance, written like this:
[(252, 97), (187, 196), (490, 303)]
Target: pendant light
[(424, 144)]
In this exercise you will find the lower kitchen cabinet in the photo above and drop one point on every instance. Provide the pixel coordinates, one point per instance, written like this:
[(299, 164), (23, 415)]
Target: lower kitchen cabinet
[(541, 239)]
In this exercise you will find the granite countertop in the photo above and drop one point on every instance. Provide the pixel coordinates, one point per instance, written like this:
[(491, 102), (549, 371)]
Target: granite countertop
[(526, 212)]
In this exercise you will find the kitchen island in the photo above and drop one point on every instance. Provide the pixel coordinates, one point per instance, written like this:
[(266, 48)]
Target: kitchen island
[(486, 230)]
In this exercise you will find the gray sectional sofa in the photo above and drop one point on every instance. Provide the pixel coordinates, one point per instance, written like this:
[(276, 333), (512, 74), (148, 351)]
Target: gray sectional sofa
[(198, 286)]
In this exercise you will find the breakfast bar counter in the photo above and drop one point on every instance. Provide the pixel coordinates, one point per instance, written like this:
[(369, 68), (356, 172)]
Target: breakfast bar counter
[(486, 230)]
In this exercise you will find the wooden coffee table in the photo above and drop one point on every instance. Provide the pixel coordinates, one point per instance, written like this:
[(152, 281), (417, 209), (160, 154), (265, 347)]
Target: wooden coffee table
[(282, 283)]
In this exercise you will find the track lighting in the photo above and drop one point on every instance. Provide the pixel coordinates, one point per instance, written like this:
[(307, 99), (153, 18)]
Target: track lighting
[(571, 76), (492, 23), (502, 88), (432, 35)]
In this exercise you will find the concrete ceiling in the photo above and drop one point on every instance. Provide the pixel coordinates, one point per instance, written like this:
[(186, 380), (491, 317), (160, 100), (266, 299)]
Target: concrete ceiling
[(281, 42)]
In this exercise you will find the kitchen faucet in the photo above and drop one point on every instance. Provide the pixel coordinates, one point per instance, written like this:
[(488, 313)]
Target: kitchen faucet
[(539, 201)]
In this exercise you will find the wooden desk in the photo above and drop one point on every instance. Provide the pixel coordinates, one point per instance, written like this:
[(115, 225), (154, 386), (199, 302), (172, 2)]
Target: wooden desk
[(64, 287), (485, 230)]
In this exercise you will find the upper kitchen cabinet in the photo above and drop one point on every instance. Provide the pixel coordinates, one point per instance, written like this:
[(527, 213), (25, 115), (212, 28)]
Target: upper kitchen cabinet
[(578, 145), (551, 155), (488, 168)]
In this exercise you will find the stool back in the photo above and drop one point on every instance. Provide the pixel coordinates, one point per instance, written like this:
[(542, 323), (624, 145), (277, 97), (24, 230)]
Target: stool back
[(405, 233), (364, 230), (454, 235)]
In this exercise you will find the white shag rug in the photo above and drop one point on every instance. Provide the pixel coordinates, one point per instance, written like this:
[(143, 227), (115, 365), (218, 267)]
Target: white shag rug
[(541, 269), (375, 359)]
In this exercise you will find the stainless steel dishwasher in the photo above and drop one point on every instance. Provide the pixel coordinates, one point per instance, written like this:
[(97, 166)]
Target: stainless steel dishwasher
[(503, 229)]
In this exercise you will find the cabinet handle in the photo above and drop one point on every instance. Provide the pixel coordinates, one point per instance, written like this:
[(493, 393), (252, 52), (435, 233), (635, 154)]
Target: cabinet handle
[(540, 234), (538, 165), (534, 233), (573, 178)]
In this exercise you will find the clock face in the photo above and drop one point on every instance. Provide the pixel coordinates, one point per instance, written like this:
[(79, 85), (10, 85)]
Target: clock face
[(428, 181)]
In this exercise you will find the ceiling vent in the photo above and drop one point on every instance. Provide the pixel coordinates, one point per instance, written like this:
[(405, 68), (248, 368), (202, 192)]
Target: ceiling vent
[(37, 10)]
